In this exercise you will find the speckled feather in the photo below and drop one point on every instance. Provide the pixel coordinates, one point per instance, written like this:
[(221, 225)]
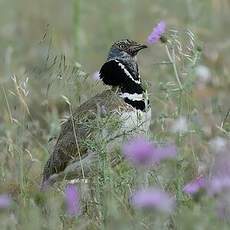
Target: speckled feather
[(65, 148)]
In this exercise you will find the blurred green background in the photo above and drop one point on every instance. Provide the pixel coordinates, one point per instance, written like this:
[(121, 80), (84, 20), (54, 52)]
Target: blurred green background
[(84, 30), (51, 48)]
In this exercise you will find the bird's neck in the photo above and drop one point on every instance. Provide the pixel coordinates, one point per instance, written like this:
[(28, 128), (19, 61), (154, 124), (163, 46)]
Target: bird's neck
[(117, 54), (130, 88)]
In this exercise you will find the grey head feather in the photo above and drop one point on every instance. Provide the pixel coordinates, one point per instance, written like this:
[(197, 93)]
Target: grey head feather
[(116, 53)]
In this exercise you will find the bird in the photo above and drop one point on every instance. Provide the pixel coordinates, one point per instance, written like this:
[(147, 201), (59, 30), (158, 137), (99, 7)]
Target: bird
[(126, 99)]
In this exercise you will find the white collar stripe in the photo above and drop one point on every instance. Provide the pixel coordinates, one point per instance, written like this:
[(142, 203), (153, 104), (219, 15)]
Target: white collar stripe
[(132, 97), (128, 73)]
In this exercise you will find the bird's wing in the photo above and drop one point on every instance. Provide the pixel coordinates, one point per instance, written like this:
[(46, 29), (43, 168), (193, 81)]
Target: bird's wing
[(77, 132)]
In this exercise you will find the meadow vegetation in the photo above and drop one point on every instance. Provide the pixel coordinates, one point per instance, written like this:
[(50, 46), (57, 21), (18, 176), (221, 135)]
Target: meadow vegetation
[(50, 52)]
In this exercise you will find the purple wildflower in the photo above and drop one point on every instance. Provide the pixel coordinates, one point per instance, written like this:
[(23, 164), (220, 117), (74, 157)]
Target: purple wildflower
[(72, 200), (5, 201), (195, 185), (218, 184), (165, 152), (142, 152), (139, 151), (157, 32), (153, 198), (96, 76)]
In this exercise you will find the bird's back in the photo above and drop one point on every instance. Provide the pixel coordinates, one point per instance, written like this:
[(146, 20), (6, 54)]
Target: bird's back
[(113, 115)]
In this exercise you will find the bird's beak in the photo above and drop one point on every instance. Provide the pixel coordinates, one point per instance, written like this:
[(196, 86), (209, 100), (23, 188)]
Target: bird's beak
[(139, 47)]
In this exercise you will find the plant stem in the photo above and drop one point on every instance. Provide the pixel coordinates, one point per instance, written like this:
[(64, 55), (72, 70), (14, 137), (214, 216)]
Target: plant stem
[(172, 59)]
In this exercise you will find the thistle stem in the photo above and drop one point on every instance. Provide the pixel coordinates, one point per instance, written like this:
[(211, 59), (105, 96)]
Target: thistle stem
[(172, 59)]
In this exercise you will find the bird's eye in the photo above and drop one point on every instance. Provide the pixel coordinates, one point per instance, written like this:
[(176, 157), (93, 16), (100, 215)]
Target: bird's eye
[(122, 46)]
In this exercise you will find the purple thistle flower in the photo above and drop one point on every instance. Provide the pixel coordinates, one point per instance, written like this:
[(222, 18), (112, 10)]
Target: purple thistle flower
[(195, 185), (72, 200), (5, 201), (165, 152), (218, 184), (157, 32), (153, 198), (96, 76), (139, 151), (142, 152)]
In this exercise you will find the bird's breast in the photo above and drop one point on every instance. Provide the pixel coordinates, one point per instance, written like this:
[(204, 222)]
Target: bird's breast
[(136, 121), (132, 123)]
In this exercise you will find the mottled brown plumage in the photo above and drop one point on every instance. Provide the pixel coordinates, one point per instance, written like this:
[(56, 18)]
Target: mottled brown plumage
[(66, 148)]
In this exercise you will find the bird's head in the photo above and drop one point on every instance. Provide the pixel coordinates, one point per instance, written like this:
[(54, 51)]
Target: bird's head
[(124, 47), (121, 68)]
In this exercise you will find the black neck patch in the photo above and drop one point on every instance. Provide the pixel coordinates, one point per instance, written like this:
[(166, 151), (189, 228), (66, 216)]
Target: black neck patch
[(117, 73), (131, 88)]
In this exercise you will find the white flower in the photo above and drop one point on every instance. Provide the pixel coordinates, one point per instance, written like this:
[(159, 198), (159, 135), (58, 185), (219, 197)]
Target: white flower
[(218, 144), (96, 76), (180, 125), (203, 73)]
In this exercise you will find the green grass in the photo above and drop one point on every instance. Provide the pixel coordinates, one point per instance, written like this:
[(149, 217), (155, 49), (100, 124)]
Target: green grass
[(48, 56)]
